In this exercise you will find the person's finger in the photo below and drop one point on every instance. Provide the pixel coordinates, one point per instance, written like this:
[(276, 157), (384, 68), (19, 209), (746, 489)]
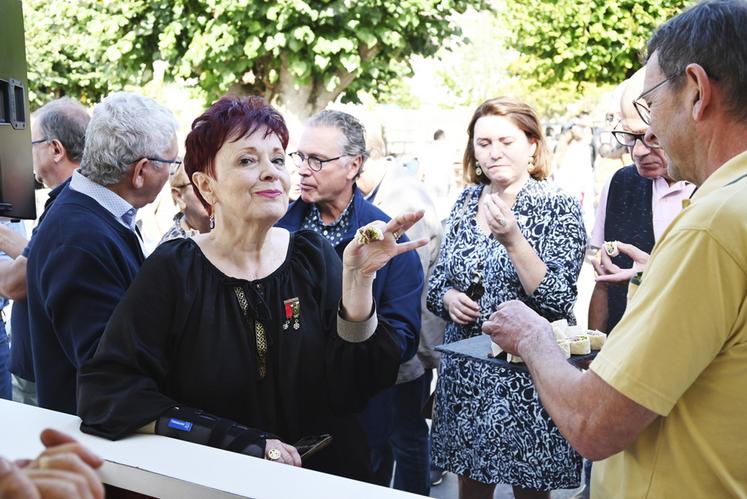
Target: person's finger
[(492, 210), (14, 484), (458, 317), (598, 266), (73, 463), (468, 303), (285, 456), (58, 484), (609, 267), (502, 205), (467, 308), (402, 223), (410, 245), (471, 314), (295, 457), (620, 276), (637, 254), (492, 317), (604, 258), (51, 438), (73, 447), (490, 327), (6, 467)]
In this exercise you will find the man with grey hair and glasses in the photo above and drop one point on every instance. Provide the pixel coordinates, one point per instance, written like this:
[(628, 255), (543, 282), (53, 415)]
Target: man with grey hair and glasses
[(88, 249), (330, 158), (663, 404), (58, 133), (637, 204)]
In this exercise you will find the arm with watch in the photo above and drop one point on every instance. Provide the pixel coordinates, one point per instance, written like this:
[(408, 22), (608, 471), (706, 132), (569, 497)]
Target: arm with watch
[(199, 427)]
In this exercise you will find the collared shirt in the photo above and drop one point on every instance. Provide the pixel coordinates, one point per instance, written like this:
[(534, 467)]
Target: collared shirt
[(666, 203), (112, 202), (333, 232), (679, 351)]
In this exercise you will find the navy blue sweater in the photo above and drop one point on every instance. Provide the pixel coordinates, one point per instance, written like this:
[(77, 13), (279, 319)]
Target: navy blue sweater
[(629, 219), (79, 267), (398, 285), (21, 360)]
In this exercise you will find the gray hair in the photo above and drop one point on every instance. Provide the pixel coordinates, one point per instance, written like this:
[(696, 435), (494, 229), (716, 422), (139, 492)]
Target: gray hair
[(124, 129), (65, 120), (352, 129), (713, 35)]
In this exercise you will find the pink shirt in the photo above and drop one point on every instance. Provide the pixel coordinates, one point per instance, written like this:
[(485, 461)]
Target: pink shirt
[(666, 203)]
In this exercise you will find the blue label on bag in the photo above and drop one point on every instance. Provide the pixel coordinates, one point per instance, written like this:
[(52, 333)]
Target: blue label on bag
[(178, 424)]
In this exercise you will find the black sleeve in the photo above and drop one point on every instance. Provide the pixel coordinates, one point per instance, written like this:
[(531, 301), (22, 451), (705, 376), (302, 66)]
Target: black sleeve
[(120, 388), (355, 371)]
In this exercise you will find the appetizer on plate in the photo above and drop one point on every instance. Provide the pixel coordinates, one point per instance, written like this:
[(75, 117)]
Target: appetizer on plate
[(596, 338), (580, 345)]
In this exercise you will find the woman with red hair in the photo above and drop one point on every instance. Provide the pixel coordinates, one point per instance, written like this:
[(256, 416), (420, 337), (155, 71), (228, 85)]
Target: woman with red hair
[(247, 338)]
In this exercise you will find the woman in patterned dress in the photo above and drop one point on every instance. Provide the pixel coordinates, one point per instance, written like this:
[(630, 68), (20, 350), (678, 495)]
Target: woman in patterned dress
[(514, 235)]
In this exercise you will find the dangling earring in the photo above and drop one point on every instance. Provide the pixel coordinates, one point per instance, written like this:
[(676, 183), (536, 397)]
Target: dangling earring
[(478, 170), (212, 222)]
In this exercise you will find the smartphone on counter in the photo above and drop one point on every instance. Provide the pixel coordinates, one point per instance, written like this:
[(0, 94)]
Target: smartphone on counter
[(308, 446)]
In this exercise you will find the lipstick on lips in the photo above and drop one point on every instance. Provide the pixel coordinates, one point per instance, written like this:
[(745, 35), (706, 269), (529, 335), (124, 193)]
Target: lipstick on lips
[(269, 193)]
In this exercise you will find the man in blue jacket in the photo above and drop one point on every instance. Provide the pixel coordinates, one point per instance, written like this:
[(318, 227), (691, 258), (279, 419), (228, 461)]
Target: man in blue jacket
[(58, 134), (330, 157), (88, 249)]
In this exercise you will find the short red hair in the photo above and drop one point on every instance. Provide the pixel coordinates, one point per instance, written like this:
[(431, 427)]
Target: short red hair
[(229, 118)]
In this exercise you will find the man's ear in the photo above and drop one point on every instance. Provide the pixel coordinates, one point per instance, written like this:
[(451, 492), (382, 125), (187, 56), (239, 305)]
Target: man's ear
[(354, 167), (176, 196), (137, 178), (702, 96), (58, 151)]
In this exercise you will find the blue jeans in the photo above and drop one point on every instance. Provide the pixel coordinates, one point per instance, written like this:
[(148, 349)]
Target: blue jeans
[(6, 388), (397, 431), (410, 439)]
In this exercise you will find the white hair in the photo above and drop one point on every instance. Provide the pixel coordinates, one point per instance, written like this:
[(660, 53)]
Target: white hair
[(125, 128)]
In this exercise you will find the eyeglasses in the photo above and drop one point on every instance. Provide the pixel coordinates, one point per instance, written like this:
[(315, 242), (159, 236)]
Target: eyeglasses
[(39, 141), (314, 163), (629, 139), (640, 104), (174, 164)]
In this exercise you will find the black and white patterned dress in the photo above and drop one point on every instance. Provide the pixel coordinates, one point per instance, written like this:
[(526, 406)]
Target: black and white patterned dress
[(488, 422)]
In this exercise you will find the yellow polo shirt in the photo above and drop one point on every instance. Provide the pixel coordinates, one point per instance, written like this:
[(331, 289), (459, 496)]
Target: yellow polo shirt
[(681, 351)]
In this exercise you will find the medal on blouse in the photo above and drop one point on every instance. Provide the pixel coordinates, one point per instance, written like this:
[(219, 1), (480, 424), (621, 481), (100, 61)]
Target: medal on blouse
[(292, 313)]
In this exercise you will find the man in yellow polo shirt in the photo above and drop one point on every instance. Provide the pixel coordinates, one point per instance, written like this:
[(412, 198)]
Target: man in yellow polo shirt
[(664, 403)]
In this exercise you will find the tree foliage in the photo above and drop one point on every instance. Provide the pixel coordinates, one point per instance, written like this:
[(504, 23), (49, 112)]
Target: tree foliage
[(482, 66), (300, 54), (599, 41)]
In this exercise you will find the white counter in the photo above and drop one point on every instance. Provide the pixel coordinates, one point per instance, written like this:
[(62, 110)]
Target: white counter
[(165, 467)]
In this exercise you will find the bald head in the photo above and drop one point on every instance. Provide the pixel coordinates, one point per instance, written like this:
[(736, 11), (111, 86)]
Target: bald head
[(632, 90), (650, 162)]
